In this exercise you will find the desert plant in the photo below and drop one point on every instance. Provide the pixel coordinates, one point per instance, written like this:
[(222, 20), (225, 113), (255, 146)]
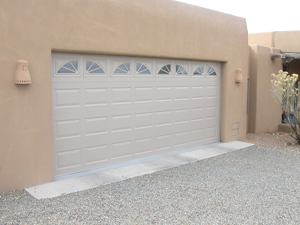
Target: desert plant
[(286, 94)]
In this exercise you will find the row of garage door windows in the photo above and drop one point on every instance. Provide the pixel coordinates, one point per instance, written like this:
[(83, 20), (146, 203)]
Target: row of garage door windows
[(93, 67)]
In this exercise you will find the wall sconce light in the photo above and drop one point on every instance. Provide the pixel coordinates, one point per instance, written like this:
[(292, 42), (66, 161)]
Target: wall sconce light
[(22, 75), (239, 76)]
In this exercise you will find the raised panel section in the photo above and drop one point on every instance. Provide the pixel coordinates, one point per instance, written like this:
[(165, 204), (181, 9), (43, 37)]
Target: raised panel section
[(144, 145), (181, 116), (96, 126), (163, 118), (163, 130), (197, 92), (164, 94), (96, 154), (121, 149), (143, 94), (181, 93), (67, 129), (197, 136), (68, 159), (210, 132), (143, 120), (163, 142), (197, 114), (212, 91), (64, 98), (121, 95), (181, 139), (95, 96), (121, 123), (211, 112)]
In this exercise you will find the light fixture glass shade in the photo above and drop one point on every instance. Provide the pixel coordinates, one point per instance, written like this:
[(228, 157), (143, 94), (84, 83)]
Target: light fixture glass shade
[(22, 75), (239, 76)]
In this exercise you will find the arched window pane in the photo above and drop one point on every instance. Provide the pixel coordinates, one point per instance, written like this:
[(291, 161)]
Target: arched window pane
[(198, 71), (180, 70), (94, 67), (211, 71), (142, 69), (123, 68), (69, 67), (165, 69)]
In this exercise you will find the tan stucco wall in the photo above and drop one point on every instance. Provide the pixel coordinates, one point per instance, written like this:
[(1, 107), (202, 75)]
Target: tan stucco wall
[(265, 113), (286, 41), (31, 29), (264, 39)]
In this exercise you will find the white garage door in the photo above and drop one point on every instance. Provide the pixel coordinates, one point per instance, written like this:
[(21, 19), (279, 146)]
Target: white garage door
[(111, 109)]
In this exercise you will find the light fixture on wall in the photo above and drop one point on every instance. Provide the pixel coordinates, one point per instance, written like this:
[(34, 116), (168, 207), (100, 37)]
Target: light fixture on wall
[(239, 75), (22, 75)]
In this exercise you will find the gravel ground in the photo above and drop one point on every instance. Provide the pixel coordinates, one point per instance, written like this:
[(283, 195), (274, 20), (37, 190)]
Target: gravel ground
[(256, 185)]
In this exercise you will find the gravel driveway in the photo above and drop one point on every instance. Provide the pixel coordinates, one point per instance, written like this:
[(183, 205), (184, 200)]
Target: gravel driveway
[(256, 185)]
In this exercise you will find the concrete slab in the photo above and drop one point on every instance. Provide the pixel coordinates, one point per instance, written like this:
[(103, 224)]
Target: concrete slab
[(81, 183)]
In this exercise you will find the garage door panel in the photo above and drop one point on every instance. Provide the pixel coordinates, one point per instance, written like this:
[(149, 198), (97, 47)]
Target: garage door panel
[(211, 122), (96, 125), (144, 146), (181, 139), (95, 96), (164, 93), (121, 122), (144, 120), (68, 160), (114, 109), (210, 132), (197, 124), (196, 136), (144, 133), (163, 142), (181, 127), (181, 116), (197, 92), (163, 118), (166, 106), (212, 102), (211, 112), (121, 149), (121, 95), (197, 114), (197, 103), (162, 130), (93, 141), (67, 129), (211, 91), (181, 92), (144, 94), (181, 105), (97, 154), (66, 98)]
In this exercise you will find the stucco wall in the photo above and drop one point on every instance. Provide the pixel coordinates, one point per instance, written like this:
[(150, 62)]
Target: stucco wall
[(264, 39), (265, 113), (286, 41), (31, 29)]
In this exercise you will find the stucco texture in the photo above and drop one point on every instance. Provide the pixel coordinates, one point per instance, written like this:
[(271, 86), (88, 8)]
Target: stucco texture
[(264, 112), (286, 41), (32, 29)]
